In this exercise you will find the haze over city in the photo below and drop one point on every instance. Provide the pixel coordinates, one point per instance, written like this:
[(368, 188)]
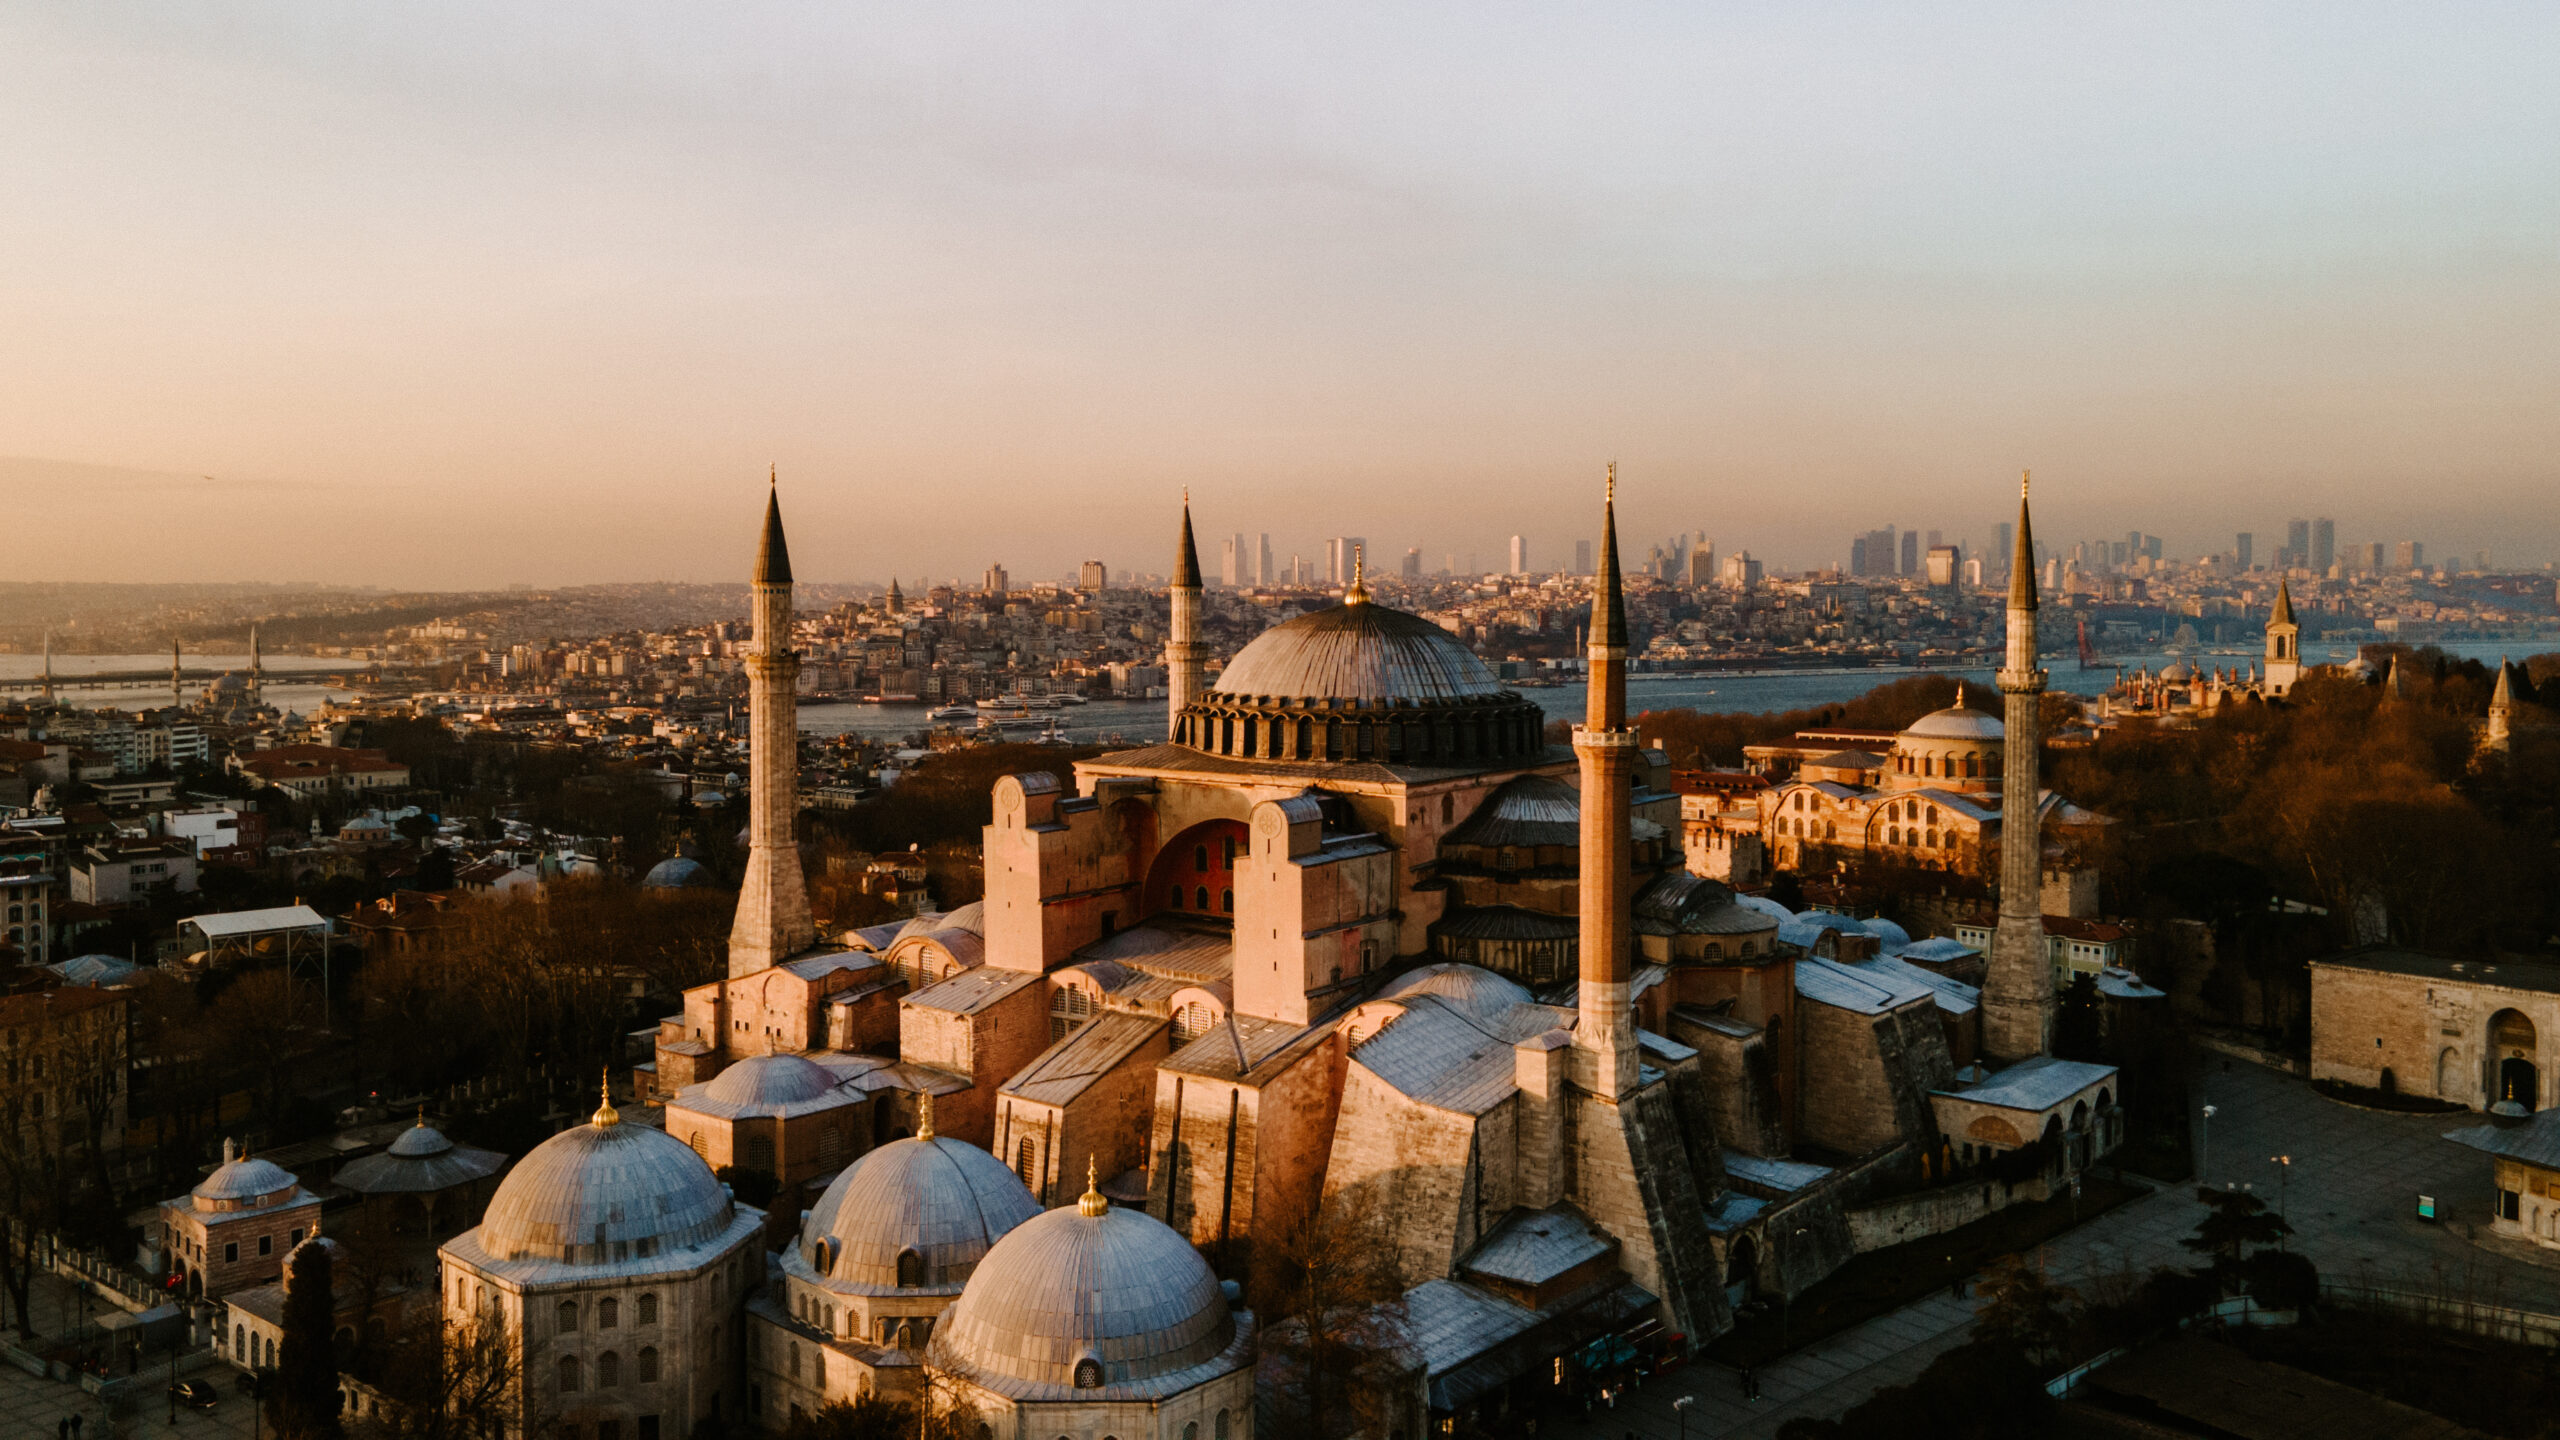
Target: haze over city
[(475, 295)]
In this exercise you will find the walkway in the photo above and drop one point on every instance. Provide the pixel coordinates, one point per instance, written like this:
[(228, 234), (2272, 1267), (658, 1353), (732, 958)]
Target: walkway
[(2351, 1196)]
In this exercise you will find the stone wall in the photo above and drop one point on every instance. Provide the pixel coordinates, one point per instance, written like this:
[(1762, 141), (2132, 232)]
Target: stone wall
[(1741, 1086), (1867, 1078), (1400, 1170), (1934, 1212)]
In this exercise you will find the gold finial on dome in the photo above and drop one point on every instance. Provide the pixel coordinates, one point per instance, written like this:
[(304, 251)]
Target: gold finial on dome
[(1092, 1201), (422, 1114), (1612, 496), (2023, 477), (924, 1115), (1358, 594), (605, 1113)]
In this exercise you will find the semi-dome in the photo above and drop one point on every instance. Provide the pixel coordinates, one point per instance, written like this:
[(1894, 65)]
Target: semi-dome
[(605, 1191), (770, 1080), (914, 1214), (1471, 988), (1359, 651), (1084, 1298), (1956, 722), (1362, 683)]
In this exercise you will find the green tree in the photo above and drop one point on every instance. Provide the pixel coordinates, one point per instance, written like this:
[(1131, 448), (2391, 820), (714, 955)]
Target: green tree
[(2234, 1220), (2023, 1308), (303, 1402)]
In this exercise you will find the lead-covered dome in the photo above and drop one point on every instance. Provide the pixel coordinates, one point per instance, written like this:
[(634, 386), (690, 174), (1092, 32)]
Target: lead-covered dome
[(1084, 1298), (914, 1215), (241, 1182), (602, 1192), (1362, 683), (1957, 722), (763, 1082), (1360, 652)]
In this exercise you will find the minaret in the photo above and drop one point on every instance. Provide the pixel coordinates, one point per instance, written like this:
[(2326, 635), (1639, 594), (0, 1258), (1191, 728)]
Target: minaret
[(257, 670), (2502, 708), (48, 666), (177, 675), (1182, 658), (2017, 991), (2393, 687), (1606, 748), (773, 904), (2284, 643)]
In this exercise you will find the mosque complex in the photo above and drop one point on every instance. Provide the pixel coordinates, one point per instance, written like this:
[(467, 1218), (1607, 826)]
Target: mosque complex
[(1355, 949)]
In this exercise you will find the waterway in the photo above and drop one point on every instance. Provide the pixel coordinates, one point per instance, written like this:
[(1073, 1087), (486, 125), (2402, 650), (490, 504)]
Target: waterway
[(283, 691)]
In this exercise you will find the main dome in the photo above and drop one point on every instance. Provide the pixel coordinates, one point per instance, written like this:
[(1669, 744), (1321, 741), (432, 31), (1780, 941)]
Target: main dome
[(1084, 1283), (943, 1200), (1360, 652), (1957, 722), (605, 1191)]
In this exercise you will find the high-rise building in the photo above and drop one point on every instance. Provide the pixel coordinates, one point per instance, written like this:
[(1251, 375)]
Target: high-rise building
[(1232, 562), (2408, 555), (997, 581), (1942, 564), (1741, 572), (1910, 552), (1413, 562), (2376, 556), (2000, 542), (1581, 557), (1263, 574), (2324, 543), (2245, 549), (1702, 563), (1337, 558), (1858, 555), (1093, 576), (2297, 543), (1519, 555)]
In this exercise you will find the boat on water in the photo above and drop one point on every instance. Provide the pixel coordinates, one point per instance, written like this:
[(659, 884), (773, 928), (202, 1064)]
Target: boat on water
[(952, 715)]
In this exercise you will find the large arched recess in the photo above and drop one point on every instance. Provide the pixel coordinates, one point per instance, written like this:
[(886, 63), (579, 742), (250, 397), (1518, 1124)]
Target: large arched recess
[(1201, 861)]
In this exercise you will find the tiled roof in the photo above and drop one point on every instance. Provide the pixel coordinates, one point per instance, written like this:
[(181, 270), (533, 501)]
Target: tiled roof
[(2034, 1084)]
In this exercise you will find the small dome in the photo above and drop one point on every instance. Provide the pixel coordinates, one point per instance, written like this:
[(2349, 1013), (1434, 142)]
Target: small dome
[(971, 917), (1766, 906), (238, 1181), (1806, 928), (770, 1080), (943, 1200), (2178, 672), (1086, 1283), (604, 1184), (1363, 652), (679, 873), (1474, 990), (710, 800), (1892, 934), (1957, 722), (419, 1141)]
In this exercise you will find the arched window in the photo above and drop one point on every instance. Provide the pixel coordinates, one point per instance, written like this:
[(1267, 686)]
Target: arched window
[(649, 1309), (608, 1314), (1200, 858), (1200, 897), (1191, 1431), (910, 1269), (608, 1370), (568, 1316), (648, 1365), (795, 1359), (1306, 737), (1022, 1165), (1190, 1023), (568, 1374), (700, 1146), (1448, 808), (1227, 901), (1220, 1431), (1250, 730), (1088, 1374)]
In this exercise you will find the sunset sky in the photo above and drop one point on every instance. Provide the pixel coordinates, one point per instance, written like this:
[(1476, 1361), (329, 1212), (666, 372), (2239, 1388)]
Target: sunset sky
[(457, 295)]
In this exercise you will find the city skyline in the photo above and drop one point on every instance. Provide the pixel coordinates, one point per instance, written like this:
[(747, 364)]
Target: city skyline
[(536, 298)]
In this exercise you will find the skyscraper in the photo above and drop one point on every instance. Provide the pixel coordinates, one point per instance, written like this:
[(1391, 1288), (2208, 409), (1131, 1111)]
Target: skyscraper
[(1231, 569), (1263, 573), (1581, 557), (1093, 576), (1413, 562), (1910, 552), (2297, 543), (2324, 543), (1519, 555), (2000, 542), (2246, 549)]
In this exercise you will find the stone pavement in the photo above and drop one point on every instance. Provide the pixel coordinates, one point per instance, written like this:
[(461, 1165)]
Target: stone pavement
[(31, 1407), (2351, 1196)]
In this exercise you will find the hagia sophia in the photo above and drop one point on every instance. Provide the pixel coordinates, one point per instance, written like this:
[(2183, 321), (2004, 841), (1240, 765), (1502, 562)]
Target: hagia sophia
[(1355, 949)]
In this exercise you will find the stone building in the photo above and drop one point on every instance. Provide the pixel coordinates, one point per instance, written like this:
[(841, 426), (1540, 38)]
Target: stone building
[(233, 1230), (2468, 1031), (422, 1183), (616, 1268), (2524, 1176)]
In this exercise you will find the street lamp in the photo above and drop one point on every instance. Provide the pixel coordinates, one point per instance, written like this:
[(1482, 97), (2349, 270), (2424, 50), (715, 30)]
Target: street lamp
[(2204, 1148), (2284, 1187), (1680, 1408)]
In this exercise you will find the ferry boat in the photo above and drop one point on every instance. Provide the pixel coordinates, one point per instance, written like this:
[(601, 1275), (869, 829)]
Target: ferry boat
[(952, 715)]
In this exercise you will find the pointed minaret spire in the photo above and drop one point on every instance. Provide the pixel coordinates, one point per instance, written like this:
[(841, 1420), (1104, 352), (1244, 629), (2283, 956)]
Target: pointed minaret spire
[(2502, 708), (2017, 989), (773, 921), (2283, 613), (1607, 751), (48, 664), (1183, 655), (257, 668)]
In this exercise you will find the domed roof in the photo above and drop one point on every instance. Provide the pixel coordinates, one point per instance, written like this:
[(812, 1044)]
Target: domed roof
[(1474, 990), (1766, 906), (418, 1141), (1891, 933), (1091, 1282), (770, 1080), (1359, 651), (1806, 928), (604, 1184), (1957, 722), (240, 1178), (2178, 672), (971, 917), (676, 873), (943, 1199)]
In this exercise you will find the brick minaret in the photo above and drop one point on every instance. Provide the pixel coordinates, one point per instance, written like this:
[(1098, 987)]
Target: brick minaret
[(1182, 644), (1607, 750), (773, 903), (2017, 993)]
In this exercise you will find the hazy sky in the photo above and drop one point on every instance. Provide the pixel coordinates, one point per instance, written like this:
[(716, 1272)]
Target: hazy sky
[(441, 294)]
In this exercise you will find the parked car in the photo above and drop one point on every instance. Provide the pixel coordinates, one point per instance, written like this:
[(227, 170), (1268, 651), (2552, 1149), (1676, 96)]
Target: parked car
[(194, 1394)]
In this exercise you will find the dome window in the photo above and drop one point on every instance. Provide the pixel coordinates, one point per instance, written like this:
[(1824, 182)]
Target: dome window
[(1088, 1374), (910, 1270)]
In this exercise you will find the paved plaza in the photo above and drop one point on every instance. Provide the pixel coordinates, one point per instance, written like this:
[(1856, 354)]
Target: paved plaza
[(2351, 1197)]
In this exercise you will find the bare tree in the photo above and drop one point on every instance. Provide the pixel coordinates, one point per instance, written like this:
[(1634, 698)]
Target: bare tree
[(1334, 1277), (455, 1380)]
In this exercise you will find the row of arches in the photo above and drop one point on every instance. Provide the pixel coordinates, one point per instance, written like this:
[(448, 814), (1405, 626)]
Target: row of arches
[(572, 1373), (608, 1312), (1410, 737)]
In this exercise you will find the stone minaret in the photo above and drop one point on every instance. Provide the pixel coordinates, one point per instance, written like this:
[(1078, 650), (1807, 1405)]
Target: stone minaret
[(1606, 748), (1182, 659), (2502, 709), (48, 665), (257, 670), (773, 905), (2284, 643), (2017, 992), (177, 676)]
